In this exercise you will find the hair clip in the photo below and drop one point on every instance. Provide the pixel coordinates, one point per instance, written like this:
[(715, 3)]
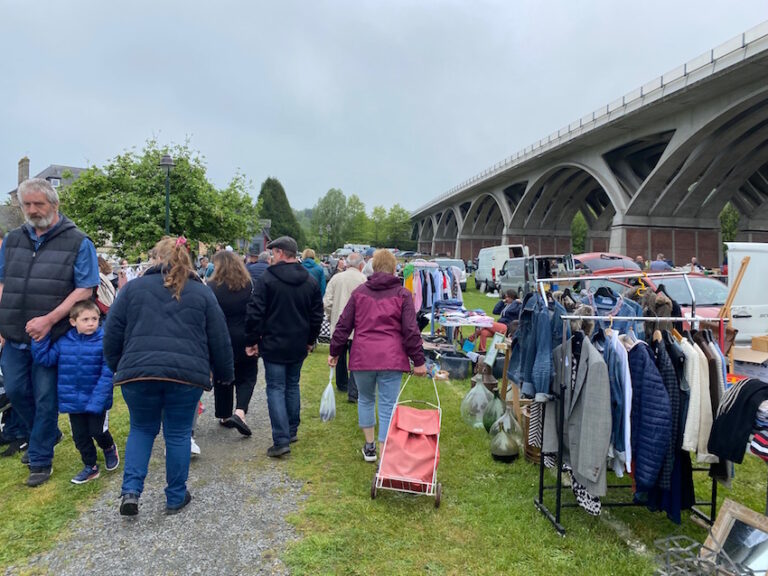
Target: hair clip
[(181, 241)]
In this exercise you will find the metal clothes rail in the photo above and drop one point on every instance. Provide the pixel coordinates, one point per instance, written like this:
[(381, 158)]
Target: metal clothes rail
[(558, 487)]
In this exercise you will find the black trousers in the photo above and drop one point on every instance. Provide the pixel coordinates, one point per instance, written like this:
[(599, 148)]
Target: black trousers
[(85, 429), (246, 372), (345, 380)]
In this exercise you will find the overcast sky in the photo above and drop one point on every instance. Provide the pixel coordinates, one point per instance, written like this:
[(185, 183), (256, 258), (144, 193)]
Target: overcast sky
[(393, 100)]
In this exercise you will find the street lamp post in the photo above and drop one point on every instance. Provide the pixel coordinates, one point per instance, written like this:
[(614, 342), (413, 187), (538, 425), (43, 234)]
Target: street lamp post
[(167, 162)]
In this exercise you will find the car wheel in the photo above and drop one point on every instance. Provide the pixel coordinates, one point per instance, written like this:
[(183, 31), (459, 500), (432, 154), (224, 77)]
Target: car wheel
[(477, 285)]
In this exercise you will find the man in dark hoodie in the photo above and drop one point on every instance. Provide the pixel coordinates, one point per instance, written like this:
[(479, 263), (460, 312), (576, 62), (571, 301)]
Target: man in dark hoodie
[(282, 322)]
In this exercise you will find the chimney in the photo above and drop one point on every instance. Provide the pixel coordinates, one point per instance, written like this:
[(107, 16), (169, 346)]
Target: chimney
[(23, 169)]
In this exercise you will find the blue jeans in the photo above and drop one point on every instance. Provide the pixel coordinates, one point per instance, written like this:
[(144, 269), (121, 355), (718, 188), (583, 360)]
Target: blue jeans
[(389, 388), (283, 400), (149, 403), (31, 389)]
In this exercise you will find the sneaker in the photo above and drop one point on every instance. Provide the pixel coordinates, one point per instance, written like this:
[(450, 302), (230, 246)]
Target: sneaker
[(129, 505), (369, 451), (195, 448), (177, 509), (294, 439), (14, 447), (25, 455), (111, 458), (39, 475), (86, 475), (278, 451)]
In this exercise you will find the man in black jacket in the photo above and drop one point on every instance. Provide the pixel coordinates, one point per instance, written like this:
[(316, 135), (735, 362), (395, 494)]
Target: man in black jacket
[(283, 321), (46, 266)]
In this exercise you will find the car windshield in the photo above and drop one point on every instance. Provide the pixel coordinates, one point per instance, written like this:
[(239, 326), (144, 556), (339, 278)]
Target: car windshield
[(708, 291), (445, 263)]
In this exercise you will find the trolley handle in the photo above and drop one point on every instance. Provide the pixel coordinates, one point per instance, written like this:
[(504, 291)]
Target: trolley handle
[(434, 385)]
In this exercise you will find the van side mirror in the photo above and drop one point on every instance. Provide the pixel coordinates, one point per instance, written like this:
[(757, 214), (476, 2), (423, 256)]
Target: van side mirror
[(503, 273)]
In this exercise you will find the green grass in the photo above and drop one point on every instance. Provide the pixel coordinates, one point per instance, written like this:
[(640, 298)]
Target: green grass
[(31, 519), (486, 524)]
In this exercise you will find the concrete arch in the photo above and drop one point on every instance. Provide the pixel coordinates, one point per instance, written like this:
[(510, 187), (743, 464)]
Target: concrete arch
[(566, 184), (691, 149), (449, 224), (485, 218)]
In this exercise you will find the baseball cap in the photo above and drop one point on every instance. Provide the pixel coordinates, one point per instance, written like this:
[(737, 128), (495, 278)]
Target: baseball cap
[(284, 243), (369, 252)]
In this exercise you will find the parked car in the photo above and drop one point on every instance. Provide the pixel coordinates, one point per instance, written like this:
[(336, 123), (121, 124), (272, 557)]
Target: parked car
[(520, 274), (605, 262), (491, 260), (444, 263), (405, 254)]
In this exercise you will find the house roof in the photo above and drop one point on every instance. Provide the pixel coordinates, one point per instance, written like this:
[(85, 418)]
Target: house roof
[(57, 171)]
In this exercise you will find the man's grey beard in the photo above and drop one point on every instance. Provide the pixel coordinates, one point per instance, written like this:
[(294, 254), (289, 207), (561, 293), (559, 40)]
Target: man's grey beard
[(41, 223)]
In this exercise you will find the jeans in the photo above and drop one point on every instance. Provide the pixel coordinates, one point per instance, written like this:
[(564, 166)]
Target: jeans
[(13, 426), (86, 428), (283, 400), (149, 403), (345, 380), (246, 372), (32, 391), (389, 388)]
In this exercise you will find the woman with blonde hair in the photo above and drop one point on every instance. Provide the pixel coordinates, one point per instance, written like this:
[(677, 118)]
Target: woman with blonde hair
[(164, 335), (232, 286), (386, 336)]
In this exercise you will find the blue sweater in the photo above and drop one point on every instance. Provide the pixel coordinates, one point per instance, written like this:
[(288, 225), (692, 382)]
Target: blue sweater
[(316, 271), (149, 335), (85, 380)]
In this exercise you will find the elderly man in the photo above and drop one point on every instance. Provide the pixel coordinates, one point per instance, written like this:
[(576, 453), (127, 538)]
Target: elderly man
[(337, 295), (282, 322), (257, 263), (46, 266), (660, 264)]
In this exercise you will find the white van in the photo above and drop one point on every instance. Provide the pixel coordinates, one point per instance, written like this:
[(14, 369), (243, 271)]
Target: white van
[(750, 306), (491, 260)]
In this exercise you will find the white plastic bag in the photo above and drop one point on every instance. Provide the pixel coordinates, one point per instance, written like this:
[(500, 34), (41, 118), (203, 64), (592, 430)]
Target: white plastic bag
[(328, 401), (473, 405)]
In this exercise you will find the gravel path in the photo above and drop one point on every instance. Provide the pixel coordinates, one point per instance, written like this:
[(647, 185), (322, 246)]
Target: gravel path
[(235, 523)]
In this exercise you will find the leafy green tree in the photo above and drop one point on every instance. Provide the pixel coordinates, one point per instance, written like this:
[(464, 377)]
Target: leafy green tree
[(579, 230), (358, 223), (378, 225), (329, 219), (729, 222), (398, 226), (124, 201), (274, 205)]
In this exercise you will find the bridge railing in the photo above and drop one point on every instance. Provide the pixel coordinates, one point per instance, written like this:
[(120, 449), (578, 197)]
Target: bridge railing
[(746, 45)]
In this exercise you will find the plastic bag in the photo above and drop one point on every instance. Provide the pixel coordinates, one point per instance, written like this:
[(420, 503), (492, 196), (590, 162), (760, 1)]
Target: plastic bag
[(507, 438), (493, 411), (473, 405), (328, 402)]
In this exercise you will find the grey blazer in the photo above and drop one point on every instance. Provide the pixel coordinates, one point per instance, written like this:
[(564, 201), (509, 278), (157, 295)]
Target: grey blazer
[(587, 423)]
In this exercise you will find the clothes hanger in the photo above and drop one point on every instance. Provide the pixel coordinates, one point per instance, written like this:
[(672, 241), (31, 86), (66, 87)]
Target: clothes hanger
[(677, 335), (606, 292), (657, 336), (643, 288), (609, 330)]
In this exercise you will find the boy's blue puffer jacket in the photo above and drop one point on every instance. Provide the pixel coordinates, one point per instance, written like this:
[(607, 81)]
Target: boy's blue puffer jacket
[(85, 380)]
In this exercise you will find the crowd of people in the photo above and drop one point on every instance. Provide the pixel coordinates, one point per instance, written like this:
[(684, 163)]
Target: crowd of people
[(72, 332)]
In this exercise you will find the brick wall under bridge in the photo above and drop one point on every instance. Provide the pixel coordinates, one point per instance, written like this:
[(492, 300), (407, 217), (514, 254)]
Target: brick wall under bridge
[(678, 244)]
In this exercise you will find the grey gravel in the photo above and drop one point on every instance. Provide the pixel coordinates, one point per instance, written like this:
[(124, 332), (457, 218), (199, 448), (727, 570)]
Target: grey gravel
[(235, 524)]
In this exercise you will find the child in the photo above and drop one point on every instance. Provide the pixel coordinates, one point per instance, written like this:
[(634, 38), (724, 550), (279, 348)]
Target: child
[(84, 386)]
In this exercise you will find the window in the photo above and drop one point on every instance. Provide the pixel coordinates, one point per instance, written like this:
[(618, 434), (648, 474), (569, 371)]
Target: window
[(55, 182)]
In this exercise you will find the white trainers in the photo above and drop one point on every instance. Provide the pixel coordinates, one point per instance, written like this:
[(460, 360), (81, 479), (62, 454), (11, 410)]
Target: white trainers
[(195, 447)]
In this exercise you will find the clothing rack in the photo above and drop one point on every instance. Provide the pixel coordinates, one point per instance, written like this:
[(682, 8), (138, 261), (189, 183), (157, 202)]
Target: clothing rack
[(558, 487)]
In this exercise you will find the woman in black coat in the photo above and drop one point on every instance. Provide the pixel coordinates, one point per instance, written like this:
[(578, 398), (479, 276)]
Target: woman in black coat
[(164, 335), (231, 284)]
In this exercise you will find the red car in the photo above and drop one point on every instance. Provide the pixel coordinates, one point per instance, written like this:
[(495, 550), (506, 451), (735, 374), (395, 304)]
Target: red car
[(605, 263)]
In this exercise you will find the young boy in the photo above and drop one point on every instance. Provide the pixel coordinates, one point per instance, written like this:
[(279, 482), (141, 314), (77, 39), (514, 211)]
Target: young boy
[(84, 386)]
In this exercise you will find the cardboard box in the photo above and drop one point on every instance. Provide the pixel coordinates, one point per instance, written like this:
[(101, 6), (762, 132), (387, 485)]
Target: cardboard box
[(760, 343)]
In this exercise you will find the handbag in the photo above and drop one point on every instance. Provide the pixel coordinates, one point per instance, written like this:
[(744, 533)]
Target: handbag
[(325, 330)]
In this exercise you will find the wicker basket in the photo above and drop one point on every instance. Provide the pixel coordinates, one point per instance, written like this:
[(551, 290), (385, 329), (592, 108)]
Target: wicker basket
[(532, 454)]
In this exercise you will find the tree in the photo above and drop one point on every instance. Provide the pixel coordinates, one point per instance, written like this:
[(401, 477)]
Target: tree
[(124, 201), (398, 226), (378, 225), (579, 233), (274, 205), (329, 219), (729, 222), (358, 224)]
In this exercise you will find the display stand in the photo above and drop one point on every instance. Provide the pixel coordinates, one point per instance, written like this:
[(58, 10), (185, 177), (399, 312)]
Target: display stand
[(554, 518)]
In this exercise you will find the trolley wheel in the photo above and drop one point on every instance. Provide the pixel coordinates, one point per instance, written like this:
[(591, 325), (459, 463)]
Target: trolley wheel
[(438, 494), (373, 488)]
